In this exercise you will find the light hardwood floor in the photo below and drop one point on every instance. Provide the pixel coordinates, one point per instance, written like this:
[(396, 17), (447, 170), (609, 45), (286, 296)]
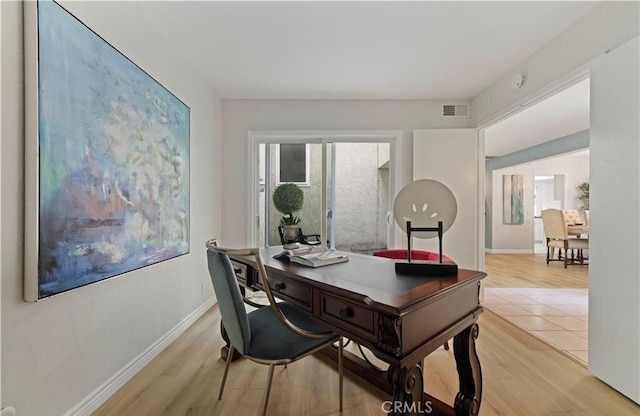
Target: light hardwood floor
[(521, 375), (531, 270), (546, 300)]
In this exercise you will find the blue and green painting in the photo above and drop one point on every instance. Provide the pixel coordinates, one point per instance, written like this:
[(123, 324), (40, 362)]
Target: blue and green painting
[(113, 160)]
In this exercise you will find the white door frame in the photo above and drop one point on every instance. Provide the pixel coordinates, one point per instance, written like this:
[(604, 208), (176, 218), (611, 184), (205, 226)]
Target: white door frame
[(257, 137), (567, 80)]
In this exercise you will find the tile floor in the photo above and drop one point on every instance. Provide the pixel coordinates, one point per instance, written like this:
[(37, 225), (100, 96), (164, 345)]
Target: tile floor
[(557, 316)]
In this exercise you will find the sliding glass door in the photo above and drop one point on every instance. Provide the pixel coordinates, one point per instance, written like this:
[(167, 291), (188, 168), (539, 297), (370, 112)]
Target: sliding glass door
[(359, 196), (299, 163), (347, 188)]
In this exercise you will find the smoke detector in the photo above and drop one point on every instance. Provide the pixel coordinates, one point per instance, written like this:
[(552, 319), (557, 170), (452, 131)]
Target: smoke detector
[(518, 81)]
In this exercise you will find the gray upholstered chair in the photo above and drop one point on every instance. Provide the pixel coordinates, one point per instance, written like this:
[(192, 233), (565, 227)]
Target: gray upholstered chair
[(555, 230), (275, 335)]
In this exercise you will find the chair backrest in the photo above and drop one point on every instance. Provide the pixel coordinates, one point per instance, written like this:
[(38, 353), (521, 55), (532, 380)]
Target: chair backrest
[(554, 223), (571, 216), (401, 254), (234, 316)]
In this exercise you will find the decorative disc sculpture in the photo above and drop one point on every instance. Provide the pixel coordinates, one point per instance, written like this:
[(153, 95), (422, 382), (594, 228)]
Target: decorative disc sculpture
[(425, 208)]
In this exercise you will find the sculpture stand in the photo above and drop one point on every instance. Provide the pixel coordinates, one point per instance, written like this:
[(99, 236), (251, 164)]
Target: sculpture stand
[(422, 267)]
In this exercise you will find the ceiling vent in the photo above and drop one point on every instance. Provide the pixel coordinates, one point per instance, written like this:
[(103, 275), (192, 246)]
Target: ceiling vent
[(455, 110)]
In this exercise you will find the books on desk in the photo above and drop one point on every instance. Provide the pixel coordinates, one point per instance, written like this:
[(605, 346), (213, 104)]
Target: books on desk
[(312, 256)]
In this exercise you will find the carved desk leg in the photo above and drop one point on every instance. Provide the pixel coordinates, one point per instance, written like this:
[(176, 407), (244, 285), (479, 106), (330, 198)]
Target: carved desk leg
[(468, 399), (408, 390)]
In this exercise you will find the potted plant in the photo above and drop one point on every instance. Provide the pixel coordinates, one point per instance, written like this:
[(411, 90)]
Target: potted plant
[(288, 199), (583, 194)]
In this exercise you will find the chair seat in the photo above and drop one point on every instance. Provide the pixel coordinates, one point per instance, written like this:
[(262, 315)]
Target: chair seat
[(572, 243), (271, 340), (401, 254)]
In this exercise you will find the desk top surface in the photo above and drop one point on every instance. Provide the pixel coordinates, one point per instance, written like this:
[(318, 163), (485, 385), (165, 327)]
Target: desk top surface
[(372, 278)]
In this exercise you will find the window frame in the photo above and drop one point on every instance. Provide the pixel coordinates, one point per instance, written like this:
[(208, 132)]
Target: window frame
[(307, 181)]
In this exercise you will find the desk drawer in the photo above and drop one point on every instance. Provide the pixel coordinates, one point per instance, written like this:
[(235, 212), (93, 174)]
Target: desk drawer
[(345, 313), (289, 290), (240, 271)]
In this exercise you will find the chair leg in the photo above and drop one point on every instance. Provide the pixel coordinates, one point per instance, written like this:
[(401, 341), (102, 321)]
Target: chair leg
[(265, 401), (446, 343), (340, 373), (550, 257), (226, 370)]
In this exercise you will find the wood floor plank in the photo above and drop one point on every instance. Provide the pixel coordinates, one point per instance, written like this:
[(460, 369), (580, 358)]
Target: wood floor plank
[(522, 376), (532, 270)]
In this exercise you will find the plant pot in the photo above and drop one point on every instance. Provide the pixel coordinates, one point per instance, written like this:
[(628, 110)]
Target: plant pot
[(290, 233)]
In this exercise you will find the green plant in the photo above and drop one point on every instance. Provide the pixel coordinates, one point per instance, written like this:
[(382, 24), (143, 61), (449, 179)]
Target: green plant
[(288, 198), (583, 194)]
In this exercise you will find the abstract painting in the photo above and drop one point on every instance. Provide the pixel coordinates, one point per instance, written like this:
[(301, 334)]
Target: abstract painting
[(513, 199), (112, 163)]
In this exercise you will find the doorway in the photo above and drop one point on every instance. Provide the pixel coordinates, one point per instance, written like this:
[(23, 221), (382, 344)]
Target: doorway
[(548, 192), (545, 300)]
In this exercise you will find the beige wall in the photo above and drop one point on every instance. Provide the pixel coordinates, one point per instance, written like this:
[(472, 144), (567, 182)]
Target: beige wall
[(605, 27), (520, 236), (57, 352), (241, 116), (614, 238)]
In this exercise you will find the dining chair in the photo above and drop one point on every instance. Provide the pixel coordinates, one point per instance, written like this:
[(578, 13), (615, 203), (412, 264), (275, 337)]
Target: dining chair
[(276, 335), (557, 236), (571, 216)]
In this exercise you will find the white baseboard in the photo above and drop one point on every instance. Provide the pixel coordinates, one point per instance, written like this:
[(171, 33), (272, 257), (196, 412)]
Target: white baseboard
[(90, 403), (508, 251)]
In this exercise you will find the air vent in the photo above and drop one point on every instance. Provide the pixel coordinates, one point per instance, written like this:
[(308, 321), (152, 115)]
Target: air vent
[(455, 110)]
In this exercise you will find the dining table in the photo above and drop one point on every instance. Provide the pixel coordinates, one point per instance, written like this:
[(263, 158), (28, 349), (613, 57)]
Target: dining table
[(577, 229)]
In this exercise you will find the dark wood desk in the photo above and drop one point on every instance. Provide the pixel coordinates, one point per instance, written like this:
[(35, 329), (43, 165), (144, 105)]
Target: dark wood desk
[(401, 319)]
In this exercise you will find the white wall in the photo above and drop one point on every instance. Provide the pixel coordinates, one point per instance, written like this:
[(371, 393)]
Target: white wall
[(56, 352), (605, 27), (451, 157), (614, 240), (520, 236), (240, 116)]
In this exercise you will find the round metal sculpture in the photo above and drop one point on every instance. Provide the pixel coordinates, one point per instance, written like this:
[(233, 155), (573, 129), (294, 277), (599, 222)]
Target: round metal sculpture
[(424, 202)]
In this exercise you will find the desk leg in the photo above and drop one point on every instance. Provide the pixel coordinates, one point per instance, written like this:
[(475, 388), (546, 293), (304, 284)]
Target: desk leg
[(468, 399), (408, 390)]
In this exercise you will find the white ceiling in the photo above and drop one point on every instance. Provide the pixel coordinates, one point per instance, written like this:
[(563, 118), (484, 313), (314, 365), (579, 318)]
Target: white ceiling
[(356, 50), (560, 115)]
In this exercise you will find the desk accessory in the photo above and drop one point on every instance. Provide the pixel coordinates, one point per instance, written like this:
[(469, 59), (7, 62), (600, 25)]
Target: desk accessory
[(436, 215), (312, 256)]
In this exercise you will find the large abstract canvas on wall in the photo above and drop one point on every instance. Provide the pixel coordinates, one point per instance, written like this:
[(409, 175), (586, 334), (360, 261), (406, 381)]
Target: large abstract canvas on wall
[(112, 162), (513, 199)]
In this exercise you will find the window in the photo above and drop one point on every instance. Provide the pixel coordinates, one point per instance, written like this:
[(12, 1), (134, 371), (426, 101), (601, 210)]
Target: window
[(292, 163)]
